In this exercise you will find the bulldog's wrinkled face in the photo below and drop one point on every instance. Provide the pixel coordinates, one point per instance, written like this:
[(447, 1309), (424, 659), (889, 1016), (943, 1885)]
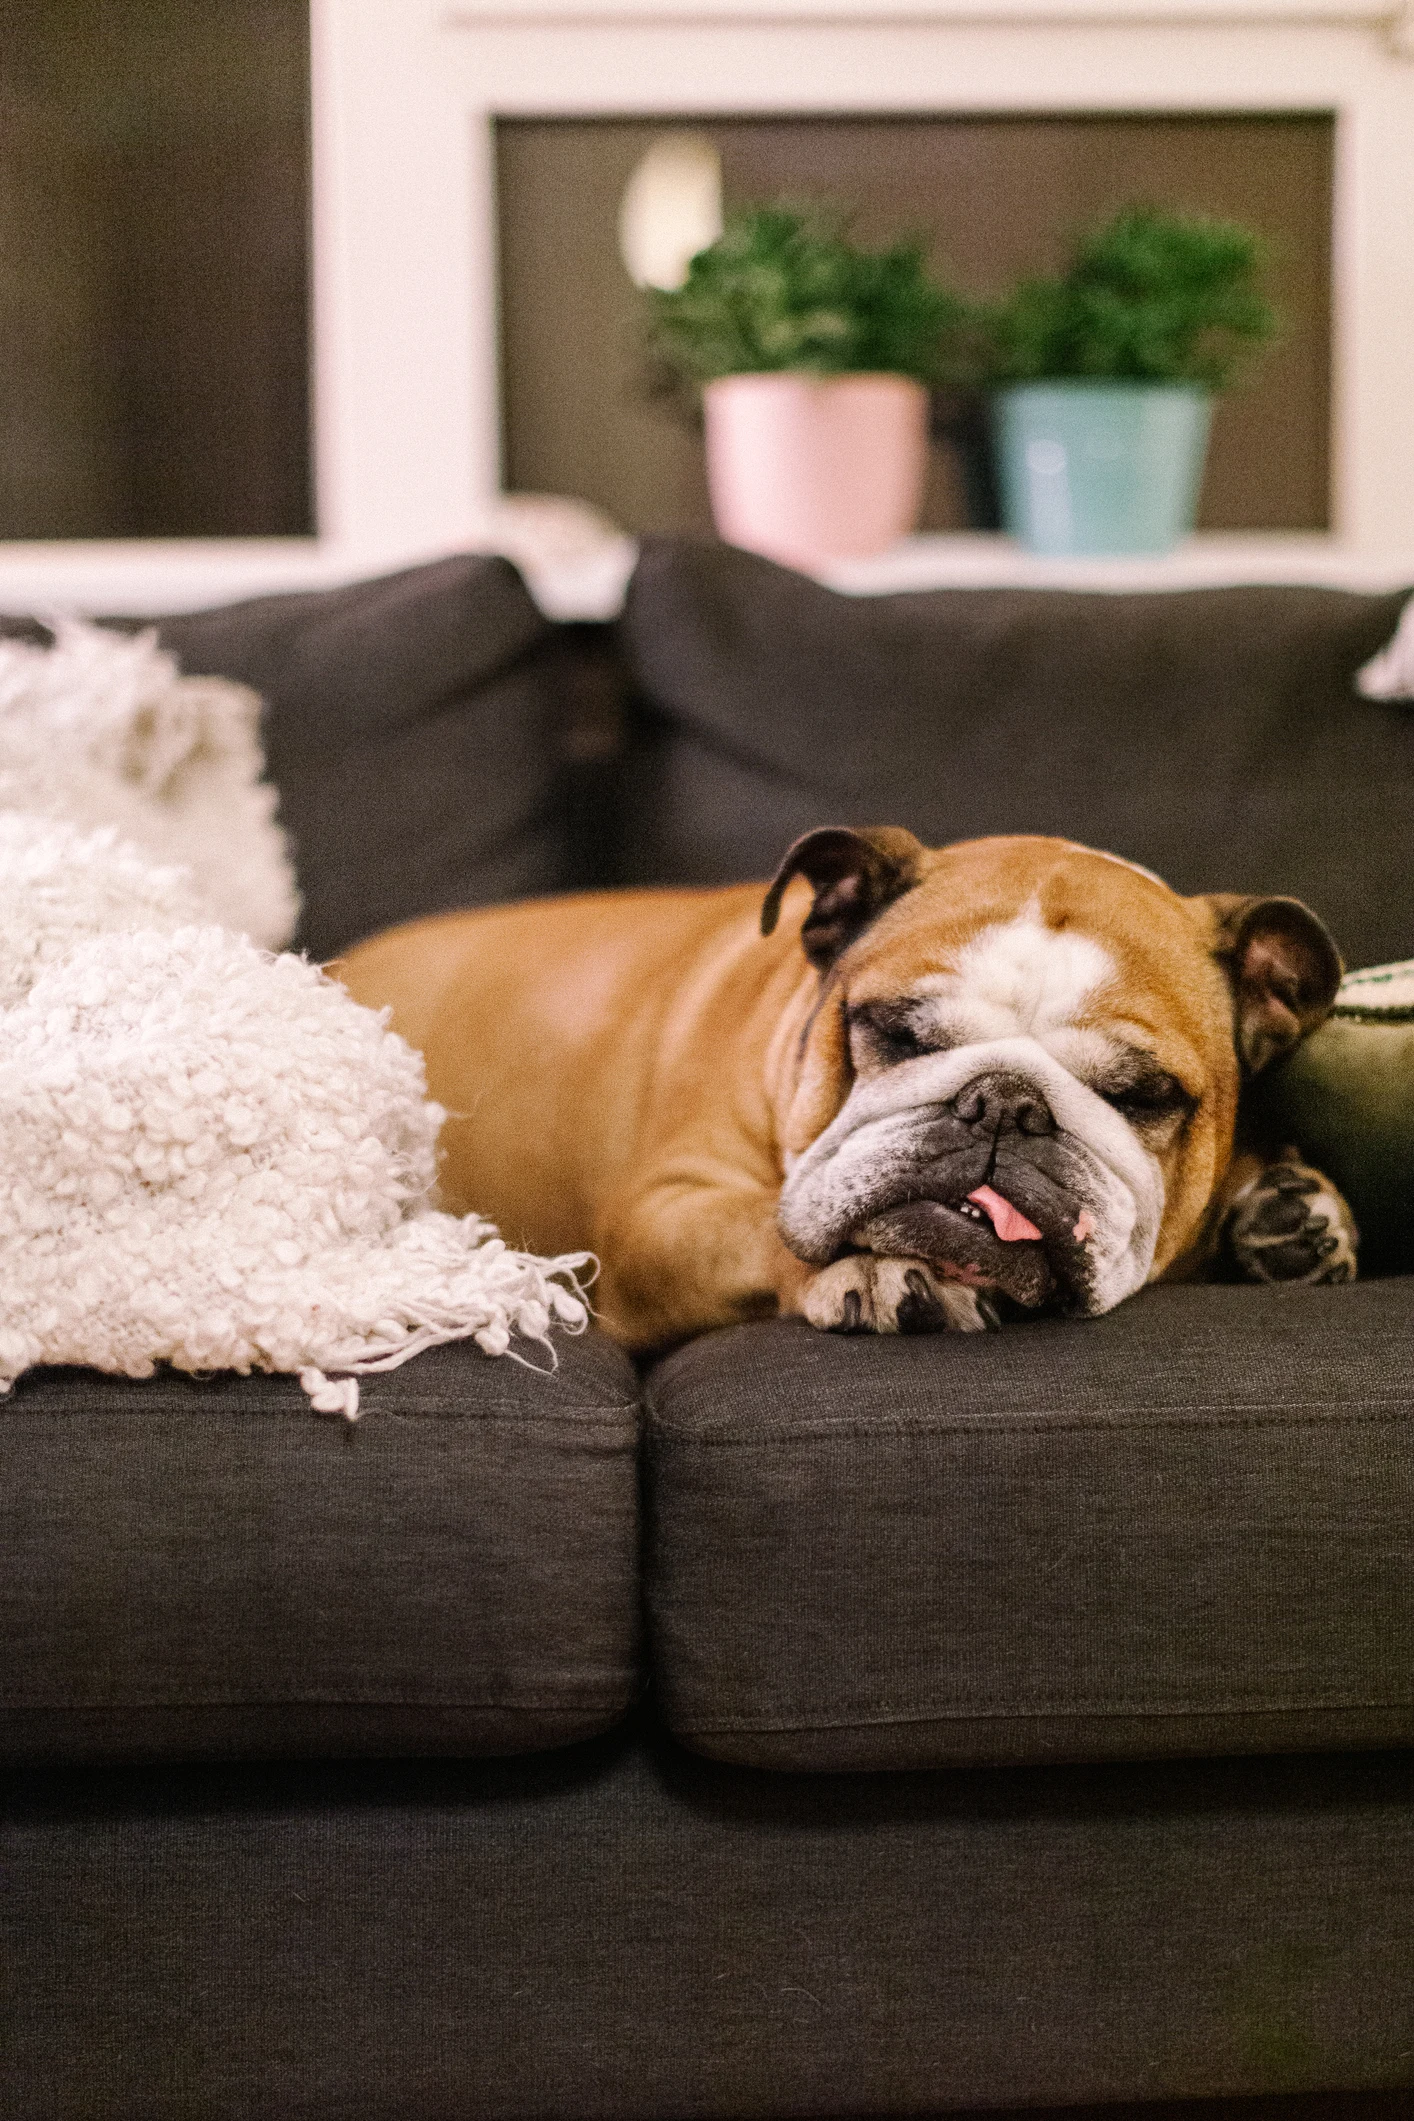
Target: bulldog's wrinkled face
[(1023, 1060)]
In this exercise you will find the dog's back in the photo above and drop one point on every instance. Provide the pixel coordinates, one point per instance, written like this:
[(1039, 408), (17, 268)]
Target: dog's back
[(543, 1026)]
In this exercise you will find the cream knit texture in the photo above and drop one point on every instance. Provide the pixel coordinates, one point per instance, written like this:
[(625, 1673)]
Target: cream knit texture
[(209, 1154), (103, 729)]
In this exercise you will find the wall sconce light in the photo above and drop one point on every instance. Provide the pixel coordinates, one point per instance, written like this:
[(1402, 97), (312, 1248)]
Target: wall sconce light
[(671, 208)]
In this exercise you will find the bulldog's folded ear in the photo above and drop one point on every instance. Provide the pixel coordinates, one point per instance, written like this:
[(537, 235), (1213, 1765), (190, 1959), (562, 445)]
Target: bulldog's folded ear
[(854, 875), (1283, 969)]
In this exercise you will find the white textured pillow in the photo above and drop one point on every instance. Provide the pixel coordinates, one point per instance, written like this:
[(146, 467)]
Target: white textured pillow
[(103, 729)]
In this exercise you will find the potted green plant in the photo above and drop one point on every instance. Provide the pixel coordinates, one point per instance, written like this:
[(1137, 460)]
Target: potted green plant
[(1103, 379), (813, 357)]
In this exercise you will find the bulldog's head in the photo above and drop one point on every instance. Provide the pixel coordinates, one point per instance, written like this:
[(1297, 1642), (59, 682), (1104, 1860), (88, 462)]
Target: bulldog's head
[(1023, 1059)]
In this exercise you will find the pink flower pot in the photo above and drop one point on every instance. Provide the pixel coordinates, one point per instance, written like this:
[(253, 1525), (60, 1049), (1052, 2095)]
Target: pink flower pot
[(810, 468)]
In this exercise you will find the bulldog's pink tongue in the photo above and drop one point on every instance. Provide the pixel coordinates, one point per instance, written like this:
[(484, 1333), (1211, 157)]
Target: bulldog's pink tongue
[(1008, 1222)]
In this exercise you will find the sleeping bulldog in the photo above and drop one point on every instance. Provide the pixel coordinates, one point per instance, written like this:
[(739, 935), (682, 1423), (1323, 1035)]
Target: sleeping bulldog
[(916, 1089)]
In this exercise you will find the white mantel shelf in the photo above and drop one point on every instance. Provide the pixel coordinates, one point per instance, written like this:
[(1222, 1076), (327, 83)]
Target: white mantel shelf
[(1211, 560), (588, 582)]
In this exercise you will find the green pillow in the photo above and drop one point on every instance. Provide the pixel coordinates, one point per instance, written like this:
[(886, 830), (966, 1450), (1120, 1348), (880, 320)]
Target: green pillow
[(1346, 1099)]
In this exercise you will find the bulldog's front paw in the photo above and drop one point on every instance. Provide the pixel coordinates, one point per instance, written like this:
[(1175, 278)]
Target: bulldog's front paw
[(1291, 1225), (864, 1294)]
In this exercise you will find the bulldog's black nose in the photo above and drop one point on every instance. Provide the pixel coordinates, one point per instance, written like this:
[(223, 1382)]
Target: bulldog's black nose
[(995, 1102)]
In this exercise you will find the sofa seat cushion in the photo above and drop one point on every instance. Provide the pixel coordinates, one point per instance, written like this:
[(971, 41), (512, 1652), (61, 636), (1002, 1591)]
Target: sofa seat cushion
[(194, 1567), (1183, 1528), (1214, 735)]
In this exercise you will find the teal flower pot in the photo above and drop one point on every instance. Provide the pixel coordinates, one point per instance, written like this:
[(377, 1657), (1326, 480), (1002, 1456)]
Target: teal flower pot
[(1101, 467)]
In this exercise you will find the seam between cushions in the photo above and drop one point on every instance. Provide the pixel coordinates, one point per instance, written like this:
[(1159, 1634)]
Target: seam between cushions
[(1038, 1422), (1061, 1710), (581, 1421), (123, 1704), (504, 1414)]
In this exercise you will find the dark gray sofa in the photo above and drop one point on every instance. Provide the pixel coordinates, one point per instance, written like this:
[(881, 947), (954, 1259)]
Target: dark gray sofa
[(802, 1726)]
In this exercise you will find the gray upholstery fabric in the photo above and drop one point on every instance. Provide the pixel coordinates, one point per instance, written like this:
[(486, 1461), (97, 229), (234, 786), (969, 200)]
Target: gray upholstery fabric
[(1185, 1527), (1212, 734), (414, 729), (194, 1567), (624, 1931)]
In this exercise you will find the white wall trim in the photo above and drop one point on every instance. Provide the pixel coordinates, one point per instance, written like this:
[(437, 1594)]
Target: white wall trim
[(1393, 22), (1044, 63), (1211, 560)]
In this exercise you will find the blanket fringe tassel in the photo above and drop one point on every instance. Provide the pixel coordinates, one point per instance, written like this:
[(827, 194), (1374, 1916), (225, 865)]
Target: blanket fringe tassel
[(567, 1307)]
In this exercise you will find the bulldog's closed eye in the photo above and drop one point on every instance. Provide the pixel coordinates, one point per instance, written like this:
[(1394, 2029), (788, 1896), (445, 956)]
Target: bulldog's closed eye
[(1152, 1096), (886, 1033)]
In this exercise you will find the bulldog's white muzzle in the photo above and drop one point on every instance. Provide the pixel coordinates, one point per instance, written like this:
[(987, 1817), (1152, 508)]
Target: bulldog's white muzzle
[(899, 1146)]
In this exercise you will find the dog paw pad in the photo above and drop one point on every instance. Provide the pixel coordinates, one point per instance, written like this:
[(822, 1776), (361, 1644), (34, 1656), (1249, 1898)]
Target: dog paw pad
[(1291, 1225)]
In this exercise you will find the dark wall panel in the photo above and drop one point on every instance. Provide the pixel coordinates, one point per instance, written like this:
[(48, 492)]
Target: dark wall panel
[(154, 201), (995, 197), (61, 458)]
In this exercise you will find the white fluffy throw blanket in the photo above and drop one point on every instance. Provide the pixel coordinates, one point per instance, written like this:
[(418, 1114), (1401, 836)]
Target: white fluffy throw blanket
[(211, 1156)]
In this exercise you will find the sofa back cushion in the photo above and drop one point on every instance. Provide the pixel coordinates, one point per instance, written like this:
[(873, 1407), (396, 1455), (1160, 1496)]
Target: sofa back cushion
[(1213, 735), (413, 727)]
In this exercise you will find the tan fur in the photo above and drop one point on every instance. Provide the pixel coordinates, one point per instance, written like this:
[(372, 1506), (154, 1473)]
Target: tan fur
[(626, 1071)]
